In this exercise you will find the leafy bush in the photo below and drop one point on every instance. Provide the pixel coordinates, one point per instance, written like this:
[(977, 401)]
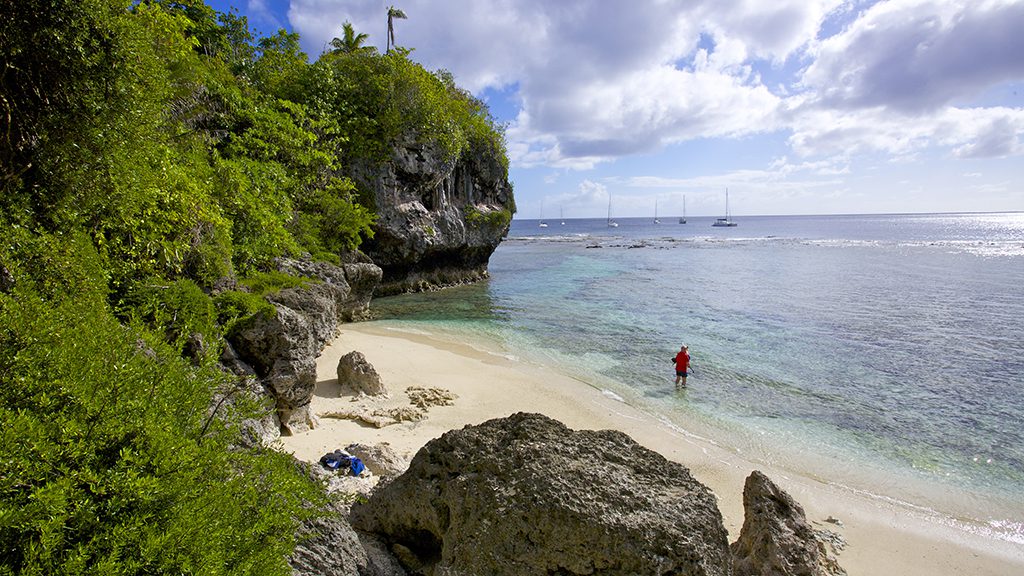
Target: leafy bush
[(331, 222), (55, 266), (233, 306), (379, 99), (112, 464), (264, 283), (492, 219), (175, 309)]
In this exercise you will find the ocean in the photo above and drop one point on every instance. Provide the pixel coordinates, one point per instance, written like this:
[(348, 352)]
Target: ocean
[(880, 353)]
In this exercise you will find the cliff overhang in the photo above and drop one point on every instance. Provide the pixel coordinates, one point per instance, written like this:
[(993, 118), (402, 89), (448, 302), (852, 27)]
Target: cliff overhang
[(439, 219)]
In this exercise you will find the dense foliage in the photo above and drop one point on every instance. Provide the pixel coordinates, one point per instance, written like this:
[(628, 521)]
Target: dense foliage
[(152, 154)]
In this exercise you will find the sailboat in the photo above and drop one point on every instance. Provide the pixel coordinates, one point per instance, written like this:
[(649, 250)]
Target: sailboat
[(656, 221), (725, 222), (611, 223), (543, 224), (561, 217), (682, 220)]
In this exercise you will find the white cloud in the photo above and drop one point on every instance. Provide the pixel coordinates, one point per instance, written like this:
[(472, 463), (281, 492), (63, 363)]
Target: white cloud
[(970, 133), (770, 30), (596, 81), (915, 56)]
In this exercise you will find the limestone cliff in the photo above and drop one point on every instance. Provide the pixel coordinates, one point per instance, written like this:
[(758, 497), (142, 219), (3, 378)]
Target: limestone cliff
[(439, 219)]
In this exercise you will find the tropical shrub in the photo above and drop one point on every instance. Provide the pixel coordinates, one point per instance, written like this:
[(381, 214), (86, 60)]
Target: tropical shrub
[(113, 463)]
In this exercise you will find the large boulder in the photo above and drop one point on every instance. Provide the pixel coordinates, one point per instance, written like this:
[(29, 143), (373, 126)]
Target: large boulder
[(776, 539), (355, 373), (281, 346), (527, 495), (438, 218)]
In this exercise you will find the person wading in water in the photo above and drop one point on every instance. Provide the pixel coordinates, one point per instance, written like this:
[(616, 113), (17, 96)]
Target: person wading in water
[(682, 361)]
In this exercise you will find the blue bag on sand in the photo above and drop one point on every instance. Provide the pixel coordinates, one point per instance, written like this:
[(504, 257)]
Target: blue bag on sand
[(339, 459), (356, 466)]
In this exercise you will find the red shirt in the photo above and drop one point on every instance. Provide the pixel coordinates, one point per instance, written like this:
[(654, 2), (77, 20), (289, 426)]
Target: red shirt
[(682, 361)]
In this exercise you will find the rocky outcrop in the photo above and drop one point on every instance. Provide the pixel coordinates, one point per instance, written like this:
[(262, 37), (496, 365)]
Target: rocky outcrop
[(351, 285), (527, 495), (776, 539), (438, 219), (356, 374), (328, 546), (282, 346)]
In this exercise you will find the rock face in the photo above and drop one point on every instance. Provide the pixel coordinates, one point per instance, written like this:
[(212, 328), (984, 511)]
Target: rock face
[(438, 220), (776, 539), (282, 347), (328, 546), (357, 374), (527, 495)]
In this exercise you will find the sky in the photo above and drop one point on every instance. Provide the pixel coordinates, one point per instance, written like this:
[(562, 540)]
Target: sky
[(794, 106)]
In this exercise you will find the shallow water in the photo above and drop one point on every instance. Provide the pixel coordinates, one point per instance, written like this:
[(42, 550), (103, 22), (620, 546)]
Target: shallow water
[(883, 353)]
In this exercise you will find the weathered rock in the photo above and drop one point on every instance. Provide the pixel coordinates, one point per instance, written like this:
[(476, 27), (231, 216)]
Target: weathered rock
[(776, 539), (380, 459), (264, 428), (195, 348), (438, 219), (355, 373), (6, 279), (282, 346), (351, 284), (527, 495), (328, 546), (231, 362)]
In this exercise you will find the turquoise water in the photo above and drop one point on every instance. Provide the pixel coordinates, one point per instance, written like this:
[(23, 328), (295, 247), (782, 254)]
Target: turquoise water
[(883, 353)]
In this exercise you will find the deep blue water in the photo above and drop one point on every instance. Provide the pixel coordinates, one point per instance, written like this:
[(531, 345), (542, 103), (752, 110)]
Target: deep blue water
[(885, 353)]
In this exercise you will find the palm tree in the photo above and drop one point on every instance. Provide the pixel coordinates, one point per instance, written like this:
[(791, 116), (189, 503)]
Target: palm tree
[(392, 14), (351, 43)]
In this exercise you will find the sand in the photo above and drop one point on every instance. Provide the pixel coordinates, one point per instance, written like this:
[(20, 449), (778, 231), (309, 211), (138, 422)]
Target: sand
[(883, 537)]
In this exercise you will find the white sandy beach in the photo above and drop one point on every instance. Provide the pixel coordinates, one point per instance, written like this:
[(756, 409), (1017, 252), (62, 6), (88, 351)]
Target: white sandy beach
[(884, 538)]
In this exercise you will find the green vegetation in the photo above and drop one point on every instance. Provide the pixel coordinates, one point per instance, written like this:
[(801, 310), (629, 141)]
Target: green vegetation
[(151, 153), (112, 466), (492, 219)]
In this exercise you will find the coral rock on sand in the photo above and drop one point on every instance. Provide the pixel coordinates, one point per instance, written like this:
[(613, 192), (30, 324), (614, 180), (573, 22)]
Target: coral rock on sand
[(527, 495), (357, 374), (424, 398), (776, 539), (380, 459), (379, 417)]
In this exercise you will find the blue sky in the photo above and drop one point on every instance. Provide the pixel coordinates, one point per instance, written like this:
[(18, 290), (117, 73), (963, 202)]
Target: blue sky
[(795, 106)]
